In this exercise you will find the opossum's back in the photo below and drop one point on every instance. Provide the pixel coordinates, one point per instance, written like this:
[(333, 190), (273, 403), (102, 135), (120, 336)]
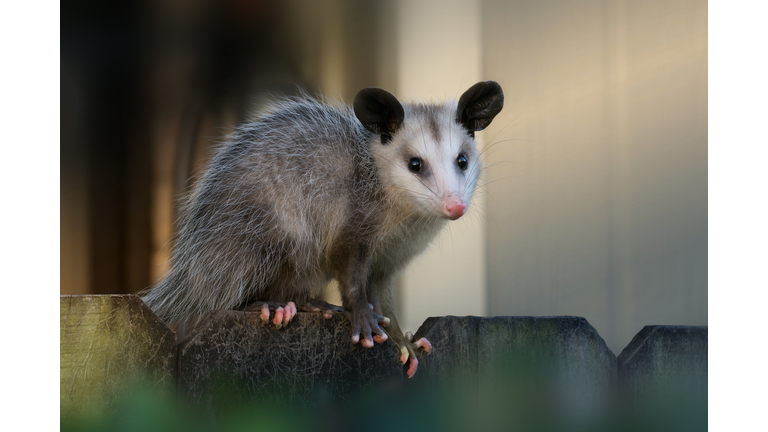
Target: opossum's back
[(301, 143), (288, 174)]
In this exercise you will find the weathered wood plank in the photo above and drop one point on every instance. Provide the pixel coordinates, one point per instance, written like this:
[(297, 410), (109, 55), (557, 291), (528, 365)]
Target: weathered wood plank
[(309, 361), (518, 371), (665, 364), (107, 344)]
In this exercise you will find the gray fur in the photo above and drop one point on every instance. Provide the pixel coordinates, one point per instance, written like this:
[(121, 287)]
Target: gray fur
[(304, 194)]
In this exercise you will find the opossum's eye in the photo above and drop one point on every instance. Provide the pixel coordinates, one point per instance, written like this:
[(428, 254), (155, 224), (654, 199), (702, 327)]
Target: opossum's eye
[(414, 165), (462, 161)]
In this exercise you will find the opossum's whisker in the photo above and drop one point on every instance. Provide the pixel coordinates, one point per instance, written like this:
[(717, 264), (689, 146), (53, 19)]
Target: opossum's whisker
[(487, 148), (498, 179), (506, 126)]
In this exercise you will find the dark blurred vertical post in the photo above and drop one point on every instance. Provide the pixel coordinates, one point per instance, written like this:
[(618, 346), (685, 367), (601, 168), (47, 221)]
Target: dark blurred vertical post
[(105, 42)]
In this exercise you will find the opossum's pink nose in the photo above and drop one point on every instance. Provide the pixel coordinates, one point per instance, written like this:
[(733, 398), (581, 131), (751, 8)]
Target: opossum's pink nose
[(454, 209)]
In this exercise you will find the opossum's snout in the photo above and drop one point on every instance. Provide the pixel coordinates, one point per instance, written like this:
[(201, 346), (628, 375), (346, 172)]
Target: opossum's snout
[(454, 208)]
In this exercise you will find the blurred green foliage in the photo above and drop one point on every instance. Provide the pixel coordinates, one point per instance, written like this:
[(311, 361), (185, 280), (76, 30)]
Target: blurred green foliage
[(525, 397)]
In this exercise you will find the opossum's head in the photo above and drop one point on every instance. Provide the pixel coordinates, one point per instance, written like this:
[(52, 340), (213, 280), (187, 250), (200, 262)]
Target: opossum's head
[(427, 152)]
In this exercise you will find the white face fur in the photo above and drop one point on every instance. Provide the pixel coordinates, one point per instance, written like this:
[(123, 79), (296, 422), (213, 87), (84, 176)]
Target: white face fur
[(431, 162)]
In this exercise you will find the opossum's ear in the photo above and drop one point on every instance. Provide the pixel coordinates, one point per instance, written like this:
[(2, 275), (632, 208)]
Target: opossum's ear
[(379, 111), (479, 105)]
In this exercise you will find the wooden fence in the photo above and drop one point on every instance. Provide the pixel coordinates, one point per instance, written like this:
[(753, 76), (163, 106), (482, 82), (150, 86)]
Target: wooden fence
[(498, 370)]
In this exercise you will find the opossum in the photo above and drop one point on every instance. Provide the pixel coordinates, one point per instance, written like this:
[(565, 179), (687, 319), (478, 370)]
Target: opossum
[(313, 190)]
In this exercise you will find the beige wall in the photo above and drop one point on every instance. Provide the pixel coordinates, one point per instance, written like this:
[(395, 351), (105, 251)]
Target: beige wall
[(599, 176)]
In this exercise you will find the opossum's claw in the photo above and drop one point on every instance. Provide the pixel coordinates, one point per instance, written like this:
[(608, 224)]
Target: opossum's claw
[(412, 367), (278, 321), (284, 312), (290, 312), (284, 315), (382, 320), (404, 354), (424, 344), (407, 351), (365, 327)]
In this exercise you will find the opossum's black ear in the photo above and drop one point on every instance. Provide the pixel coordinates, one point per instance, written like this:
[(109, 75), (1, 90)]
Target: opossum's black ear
[(379, 111), (479, 105)]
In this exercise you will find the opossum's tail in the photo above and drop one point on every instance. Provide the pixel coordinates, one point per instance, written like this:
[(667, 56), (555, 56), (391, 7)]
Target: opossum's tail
[(166, 299)]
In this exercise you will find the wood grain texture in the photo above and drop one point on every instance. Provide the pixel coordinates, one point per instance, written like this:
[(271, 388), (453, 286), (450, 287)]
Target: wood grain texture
[(109, 343), (309, 361)]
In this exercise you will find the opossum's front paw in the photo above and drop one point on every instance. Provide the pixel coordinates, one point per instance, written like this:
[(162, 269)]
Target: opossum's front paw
[(408, 350), (315, 305), (364, 322), (284, 312)]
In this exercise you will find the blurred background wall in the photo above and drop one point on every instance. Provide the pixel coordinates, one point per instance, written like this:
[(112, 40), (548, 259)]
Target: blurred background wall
[(594, 199)]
